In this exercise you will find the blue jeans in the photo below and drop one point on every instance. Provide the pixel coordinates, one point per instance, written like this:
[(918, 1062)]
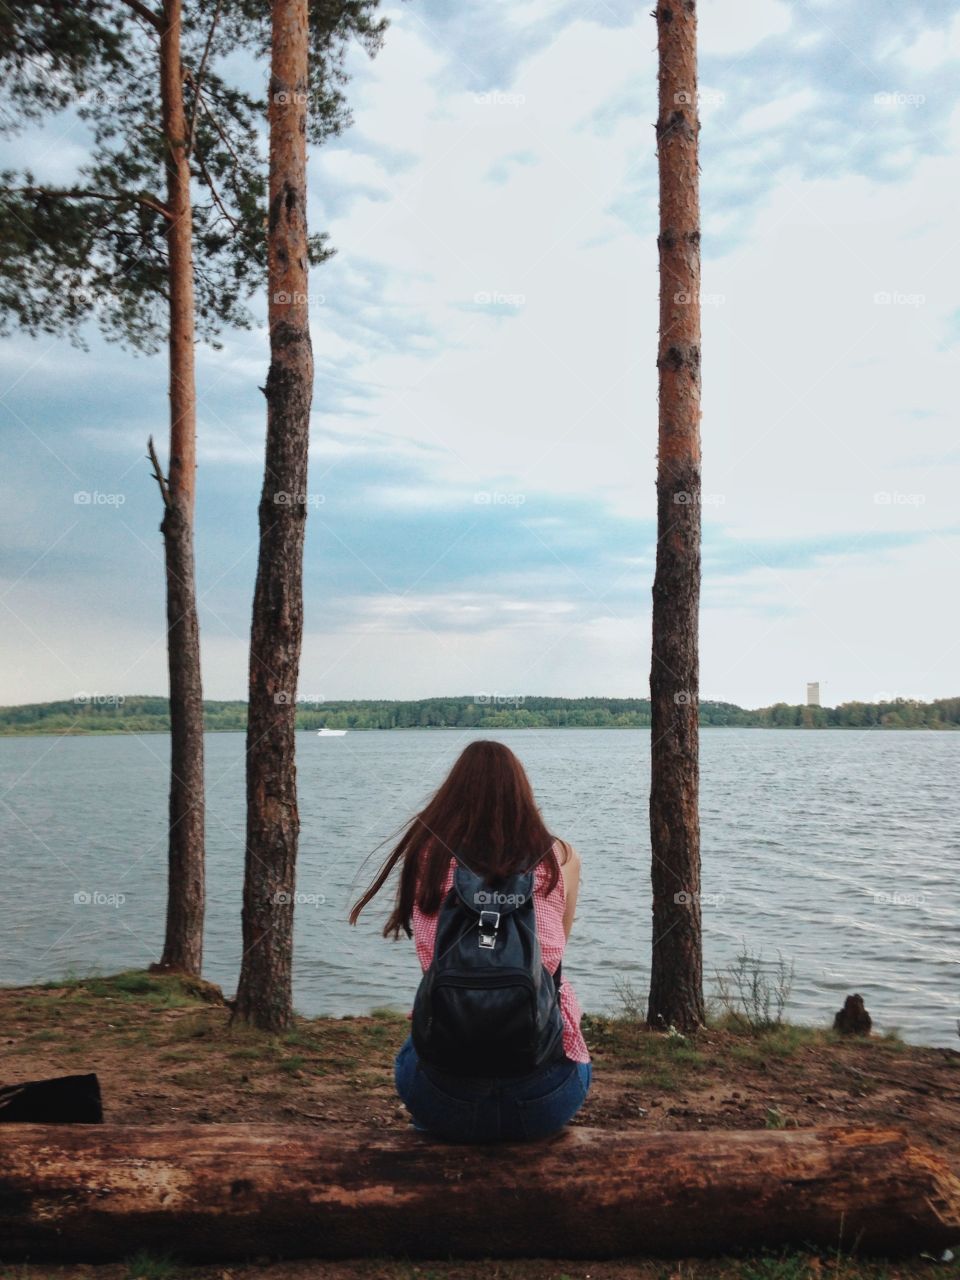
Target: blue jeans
[(490, 1110)]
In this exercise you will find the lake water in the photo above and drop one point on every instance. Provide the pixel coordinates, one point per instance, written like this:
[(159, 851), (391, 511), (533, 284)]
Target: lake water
[(838, 849)]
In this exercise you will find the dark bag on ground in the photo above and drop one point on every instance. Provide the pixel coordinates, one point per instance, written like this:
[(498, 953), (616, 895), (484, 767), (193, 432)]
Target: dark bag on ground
[(486, 1006), (62, 1100)]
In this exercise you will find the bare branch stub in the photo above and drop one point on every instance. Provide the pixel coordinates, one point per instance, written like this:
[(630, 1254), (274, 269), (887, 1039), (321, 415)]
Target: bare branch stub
[(158, 473)]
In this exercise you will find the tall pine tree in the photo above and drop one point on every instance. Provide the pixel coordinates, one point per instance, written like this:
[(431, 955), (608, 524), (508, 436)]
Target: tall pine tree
[(160, 238), (676, 976)]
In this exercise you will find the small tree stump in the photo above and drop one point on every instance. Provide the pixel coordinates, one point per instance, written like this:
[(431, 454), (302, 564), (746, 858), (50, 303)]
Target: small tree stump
[(853, 1019)]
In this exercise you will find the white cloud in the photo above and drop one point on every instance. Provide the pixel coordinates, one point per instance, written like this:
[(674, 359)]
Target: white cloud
[(818, 397), (933, 47), (885, 629), (781, 111), (726, 29)]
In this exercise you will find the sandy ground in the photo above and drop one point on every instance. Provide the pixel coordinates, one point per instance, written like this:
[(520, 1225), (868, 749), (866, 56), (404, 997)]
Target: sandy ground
[(165, 1053)]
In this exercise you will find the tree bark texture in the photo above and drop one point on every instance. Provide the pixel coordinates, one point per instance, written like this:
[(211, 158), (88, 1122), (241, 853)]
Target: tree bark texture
[(183, 943), (676, 979), (273, 824), (219, 1192)]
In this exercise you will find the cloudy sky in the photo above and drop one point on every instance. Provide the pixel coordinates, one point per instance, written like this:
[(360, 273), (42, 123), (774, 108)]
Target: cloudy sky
[(484, 426)]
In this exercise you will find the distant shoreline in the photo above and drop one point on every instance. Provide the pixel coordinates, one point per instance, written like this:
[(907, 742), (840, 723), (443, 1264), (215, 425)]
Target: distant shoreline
[(87, 714), (460, 728)]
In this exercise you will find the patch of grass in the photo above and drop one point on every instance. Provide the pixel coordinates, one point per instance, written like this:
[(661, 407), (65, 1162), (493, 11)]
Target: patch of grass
[(198, 1029), (746, 1052), (342, 1063), (81, 1052), (36, 1037), (892, 1041), (632, 1002), (246, 1053), (303, 1038), (662, 1079), (661, 1060), (177, 1055), (385, 1013), (150, 1266), (787, 1039), (135, 986), (753, 991), (784, 1266), (366, 1081), (687, 1056), (292, 1064), (808, 1265), (136, 1039), (190, 1079)]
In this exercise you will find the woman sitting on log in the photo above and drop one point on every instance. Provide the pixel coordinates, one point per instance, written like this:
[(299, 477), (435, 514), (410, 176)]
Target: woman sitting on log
[(488, 894)]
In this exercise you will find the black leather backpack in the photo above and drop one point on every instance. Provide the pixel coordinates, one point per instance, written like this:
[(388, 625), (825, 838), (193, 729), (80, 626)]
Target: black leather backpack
[(487, 1006)]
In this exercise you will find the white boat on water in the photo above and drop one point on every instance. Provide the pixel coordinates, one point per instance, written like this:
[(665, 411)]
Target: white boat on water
[(331, 733)]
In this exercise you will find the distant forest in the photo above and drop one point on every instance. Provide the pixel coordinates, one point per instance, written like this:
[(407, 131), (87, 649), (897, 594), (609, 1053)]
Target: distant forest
[(138, 714)]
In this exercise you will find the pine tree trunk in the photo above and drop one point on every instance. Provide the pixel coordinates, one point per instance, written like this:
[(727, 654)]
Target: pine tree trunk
[(676, 979), (183, 944), (273, 824)]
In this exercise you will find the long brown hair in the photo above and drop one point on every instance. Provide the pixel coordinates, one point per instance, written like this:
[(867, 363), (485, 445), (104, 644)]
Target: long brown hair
[(485, 811)]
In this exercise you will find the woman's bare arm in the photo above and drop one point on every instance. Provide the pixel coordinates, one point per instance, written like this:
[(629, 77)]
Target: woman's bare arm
[(570, 870)]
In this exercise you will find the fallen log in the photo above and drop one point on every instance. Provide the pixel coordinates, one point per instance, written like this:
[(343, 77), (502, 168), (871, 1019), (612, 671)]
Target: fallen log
[(226, 1192)]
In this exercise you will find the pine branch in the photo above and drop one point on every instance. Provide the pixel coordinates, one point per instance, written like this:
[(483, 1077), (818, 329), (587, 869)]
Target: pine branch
[(216, 195), (158, 474), (198, 82), (202, 102), (80, 193), (143, 11)]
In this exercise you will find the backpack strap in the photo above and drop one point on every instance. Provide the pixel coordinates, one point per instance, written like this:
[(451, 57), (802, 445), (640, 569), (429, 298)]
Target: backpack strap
[(477, 896)]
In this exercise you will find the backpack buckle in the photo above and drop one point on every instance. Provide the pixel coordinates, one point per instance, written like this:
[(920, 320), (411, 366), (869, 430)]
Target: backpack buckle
[(489, 924)]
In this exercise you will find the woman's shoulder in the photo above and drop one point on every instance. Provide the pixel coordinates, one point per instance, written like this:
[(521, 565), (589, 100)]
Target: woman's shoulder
[(566, 855), (567, 860)]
